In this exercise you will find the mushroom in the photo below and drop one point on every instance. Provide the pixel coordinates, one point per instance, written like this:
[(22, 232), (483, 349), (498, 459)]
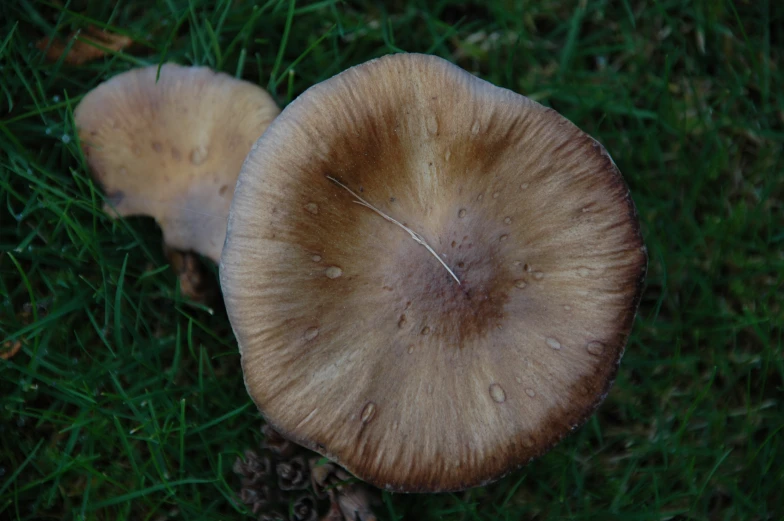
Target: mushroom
[(170, 144), (431, 279)]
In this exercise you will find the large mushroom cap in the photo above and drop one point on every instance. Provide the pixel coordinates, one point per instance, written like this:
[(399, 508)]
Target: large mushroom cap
[(357, 342), (172, 146)]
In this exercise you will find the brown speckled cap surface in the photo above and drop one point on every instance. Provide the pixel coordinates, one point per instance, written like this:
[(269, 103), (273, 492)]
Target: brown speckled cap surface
[(358, 343), (172, 148)]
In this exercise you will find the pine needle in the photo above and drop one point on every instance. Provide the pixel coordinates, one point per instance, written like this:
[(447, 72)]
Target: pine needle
[(414, 235)]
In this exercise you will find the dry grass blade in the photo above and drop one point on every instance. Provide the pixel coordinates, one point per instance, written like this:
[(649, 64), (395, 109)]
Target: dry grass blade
[(414, 235)]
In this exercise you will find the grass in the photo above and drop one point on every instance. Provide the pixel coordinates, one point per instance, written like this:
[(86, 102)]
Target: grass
[(126, 401)]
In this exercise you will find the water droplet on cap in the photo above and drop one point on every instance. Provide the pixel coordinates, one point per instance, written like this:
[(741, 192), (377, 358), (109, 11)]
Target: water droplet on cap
[(333, 272), (595, 348), (497, 393), (432, 124), (368, 413), (311, 333), (199, 155), (551, 342)]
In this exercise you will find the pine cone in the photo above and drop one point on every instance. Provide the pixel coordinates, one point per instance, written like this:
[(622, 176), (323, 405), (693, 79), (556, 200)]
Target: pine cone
[(319, 477), (305, 509), (276, 443), (293, 474), (351, 499), (274, 477), (257, 497), (255, 469)]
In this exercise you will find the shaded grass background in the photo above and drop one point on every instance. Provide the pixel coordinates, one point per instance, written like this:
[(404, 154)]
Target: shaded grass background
[(126, 401)]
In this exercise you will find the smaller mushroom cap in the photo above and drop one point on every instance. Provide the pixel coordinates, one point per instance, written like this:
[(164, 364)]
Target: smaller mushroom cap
[(171, 147)]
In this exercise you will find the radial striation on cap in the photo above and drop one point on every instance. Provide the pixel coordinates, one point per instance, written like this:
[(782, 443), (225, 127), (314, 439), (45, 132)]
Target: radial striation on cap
[(358, 343), (171, 146)]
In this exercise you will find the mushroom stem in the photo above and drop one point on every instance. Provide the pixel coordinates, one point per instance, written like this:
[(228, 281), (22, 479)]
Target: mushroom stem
[(414, 235)]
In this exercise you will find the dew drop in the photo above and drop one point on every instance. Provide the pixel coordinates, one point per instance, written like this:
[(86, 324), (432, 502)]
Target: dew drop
[(333, 272), (520, 283), (583, 272), (497, 393), (518, 379), (316, 258), (538, 275), (411, 349), (311, 333), (199, 155), (551, 342), (368, 412), (567, 307), (530, 392), (426, 330), (480, 197), (496, 195), (448, 154), (508, 220), (432, 124), (523, 186), (595, 348), (475, 128), (66, 138), (461, 213), (401, 321), (503, 237), (312, 208)]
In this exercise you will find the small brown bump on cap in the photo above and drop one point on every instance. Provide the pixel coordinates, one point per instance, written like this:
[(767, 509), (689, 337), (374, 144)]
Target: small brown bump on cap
[(165, 143), (435, 355)]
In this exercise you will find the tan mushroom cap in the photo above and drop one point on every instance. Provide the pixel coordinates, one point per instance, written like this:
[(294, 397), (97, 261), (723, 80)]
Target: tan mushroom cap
[(173, 149), (358, 343)]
